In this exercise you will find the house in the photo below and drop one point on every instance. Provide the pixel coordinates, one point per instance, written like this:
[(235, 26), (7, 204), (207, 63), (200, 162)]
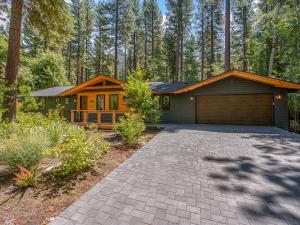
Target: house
[(233, 97)]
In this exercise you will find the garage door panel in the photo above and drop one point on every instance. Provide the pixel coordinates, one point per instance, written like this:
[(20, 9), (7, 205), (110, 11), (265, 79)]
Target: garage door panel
[(235, 109)]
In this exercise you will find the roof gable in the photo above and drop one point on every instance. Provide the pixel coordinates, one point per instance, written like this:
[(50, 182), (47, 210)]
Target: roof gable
[(248, 76), (92, 82)]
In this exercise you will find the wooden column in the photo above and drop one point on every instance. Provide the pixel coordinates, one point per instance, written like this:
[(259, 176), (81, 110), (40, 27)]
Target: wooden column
[(113, 117), (99, 119), (72, 116)]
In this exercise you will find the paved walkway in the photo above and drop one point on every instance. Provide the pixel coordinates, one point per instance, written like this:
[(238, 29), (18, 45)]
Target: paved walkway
[(200, 174)]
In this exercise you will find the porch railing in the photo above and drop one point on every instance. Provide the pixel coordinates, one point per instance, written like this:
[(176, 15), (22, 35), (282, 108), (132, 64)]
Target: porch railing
[(101, 118)]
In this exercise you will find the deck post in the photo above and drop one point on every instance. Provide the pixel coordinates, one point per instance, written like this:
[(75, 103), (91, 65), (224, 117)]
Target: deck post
[(72, 116), (113, 118), (85, 117), (99, 119)]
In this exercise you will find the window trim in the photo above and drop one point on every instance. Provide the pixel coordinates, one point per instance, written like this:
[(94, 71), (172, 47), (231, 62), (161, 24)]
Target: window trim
[(161, 102), (110, 101), (97, 101)]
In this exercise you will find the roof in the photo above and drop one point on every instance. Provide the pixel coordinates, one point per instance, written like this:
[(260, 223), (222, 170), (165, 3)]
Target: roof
[(50, 92), (90, 82), (245, 75), (162, 87)]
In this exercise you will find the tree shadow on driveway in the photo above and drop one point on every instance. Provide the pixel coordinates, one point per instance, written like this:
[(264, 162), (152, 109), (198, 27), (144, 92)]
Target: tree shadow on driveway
[(269, 179)]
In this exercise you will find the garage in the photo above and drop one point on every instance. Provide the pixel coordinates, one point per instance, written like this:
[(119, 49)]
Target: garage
[(245, 109)]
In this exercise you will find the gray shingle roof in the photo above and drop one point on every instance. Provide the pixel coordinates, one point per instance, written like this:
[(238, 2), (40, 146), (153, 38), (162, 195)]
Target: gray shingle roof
[(50, 92), (168, 87), (155, 86)]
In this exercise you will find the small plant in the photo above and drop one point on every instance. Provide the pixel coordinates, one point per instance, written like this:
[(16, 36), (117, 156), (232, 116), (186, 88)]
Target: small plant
[(131, 128), (24, 148), (78, 152), (25, 178)]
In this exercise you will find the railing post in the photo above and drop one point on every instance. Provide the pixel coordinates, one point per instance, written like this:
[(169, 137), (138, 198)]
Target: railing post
[(113, 117), (72, 116), (98, 119), (85, 114)]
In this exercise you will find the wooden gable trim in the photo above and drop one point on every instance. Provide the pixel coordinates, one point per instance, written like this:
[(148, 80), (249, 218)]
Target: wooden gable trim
[(102, 87), (92, 82), (248, 76)]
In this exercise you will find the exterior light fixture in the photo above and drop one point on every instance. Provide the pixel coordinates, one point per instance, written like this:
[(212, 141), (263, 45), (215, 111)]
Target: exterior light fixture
[(278, 96), (192, 98)]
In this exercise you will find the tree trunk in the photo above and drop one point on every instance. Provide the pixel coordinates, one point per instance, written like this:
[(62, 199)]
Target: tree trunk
[(152, 29), (116, 40), (146, 48), (69, 61), (274, 37), (13, 58), (227, 36), (270, 71), (245, 35), (125, 62), (202, 41), (78, 73), (212, 48), (181, 51), (134, 51)]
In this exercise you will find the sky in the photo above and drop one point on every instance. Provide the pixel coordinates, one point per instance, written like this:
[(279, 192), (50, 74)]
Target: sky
[(162, 6)]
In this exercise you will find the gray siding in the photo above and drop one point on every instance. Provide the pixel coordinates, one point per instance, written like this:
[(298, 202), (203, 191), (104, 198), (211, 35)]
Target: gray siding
[(281, 112), (50, 103), (182, 108)]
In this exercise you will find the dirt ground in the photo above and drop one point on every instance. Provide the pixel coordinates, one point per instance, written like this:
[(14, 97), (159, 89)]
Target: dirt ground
[(51, 196)]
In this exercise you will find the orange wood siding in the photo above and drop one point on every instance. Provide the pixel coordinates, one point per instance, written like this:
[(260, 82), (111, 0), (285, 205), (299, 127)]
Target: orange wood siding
[(92, 100)]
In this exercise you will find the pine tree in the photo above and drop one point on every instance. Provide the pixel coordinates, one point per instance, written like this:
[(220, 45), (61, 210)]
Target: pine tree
[(241, 28), (179, 19), (51, 19), (103, 41)]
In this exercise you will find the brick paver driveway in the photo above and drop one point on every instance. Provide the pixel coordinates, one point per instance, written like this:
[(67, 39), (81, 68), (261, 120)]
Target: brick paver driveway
[(200, 174)]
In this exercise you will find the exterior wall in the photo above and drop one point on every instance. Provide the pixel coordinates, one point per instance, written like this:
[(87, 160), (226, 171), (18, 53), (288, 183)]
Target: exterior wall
[(51, 103), (182, 108), (92, 99)]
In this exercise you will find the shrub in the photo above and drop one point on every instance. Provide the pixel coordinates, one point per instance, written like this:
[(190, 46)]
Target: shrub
[(28, 102), (141, 99), (78, 151), (24, 148), (131, 128), (25, 178)]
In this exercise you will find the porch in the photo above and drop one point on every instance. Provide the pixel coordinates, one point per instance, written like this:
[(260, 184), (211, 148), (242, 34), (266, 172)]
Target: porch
[(101, 118)]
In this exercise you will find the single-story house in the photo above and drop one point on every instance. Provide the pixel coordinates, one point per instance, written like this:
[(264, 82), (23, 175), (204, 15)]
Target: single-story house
[(233, 97)]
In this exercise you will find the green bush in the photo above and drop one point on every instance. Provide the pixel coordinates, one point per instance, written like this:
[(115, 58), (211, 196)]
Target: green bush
[(131, 128), (78, 151), (28, 102), (24, 148), (141, 98)]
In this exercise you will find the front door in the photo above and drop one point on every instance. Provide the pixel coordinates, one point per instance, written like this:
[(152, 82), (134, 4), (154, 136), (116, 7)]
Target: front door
[(83, 105)]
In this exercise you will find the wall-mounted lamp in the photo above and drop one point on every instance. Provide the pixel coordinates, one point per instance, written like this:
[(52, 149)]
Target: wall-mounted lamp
[(192, 98), (278, 96)]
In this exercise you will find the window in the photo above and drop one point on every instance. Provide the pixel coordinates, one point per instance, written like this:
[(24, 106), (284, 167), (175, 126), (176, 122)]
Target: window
[(113, 102), (165, 102), (67, 101), (57, 100), (42, 103), (100, 102)]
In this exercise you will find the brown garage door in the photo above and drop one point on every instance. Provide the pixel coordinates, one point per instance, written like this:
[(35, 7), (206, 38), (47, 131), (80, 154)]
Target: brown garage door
[(235, 109)]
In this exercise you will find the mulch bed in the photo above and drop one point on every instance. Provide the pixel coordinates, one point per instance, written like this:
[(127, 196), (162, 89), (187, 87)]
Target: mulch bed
[(52, 195)]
